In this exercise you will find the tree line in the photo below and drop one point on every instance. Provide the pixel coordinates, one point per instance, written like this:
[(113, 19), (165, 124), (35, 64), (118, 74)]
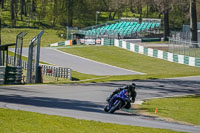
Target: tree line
[(82, 13)]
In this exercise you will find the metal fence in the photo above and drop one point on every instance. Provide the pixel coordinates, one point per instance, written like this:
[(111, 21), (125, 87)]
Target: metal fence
[(184, 47), (33, 60), (12, 74), (177, 35), (57, 72), (48, 70), (18, 49), (183, 35)]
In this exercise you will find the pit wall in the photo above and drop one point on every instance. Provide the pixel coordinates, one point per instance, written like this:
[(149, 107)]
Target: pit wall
[(181, 59)]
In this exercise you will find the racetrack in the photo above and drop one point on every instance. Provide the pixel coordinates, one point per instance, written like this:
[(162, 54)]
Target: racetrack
[(79, 64), (86, 101)]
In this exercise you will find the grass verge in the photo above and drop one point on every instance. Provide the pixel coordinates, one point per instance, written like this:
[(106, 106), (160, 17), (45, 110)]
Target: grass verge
[(184, 109), (50, 36), (13, 121), (153, 67), (76, 78)]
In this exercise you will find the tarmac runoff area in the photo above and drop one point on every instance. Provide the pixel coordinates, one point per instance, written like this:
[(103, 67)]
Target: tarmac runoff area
[(79, 64)]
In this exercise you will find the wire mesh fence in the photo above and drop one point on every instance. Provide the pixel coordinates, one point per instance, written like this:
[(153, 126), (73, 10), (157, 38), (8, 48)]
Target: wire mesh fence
[(177, 35), (33, 60), (18, 49), (184, 47)]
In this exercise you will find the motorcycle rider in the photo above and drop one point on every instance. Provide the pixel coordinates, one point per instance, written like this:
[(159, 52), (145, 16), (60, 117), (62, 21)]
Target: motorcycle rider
[(131, 89)]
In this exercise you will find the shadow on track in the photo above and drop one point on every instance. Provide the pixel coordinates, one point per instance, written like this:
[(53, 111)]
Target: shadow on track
[(53, 103), (171, 85), (165, 85)]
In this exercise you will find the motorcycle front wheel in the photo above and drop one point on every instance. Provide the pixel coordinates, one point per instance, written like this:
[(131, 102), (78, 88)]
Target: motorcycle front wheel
[(116, 106), (106, 108)]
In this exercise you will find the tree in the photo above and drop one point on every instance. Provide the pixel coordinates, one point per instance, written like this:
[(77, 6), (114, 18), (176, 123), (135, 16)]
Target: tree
[(22, 8), (165, 7), (2, 3), (0, 28), (28, 8), (12, 9), (193, 20), (166, 20), (33, 6), (108, 4), (114, 7), (70, 7), (0, 34), (55, 13), (147, 3), (139, 7), (179, 14), (0, 23), (151, 7)]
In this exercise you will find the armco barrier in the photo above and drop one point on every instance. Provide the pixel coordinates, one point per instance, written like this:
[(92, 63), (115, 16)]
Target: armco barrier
[(48, 70), (181, 59)]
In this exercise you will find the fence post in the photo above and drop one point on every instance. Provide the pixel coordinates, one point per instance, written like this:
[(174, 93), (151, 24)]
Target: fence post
[(69, 73), (31, 68), (37, 71)]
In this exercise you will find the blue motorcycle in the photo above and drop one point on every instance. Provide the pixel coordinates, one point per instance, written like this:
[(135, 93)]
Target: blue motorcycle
[(118, 101)]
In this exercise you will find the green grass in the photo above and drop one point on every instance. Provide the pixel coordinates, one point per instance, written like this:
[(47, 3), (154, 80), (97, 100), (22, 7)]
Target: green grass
[(76, 78), (154, 68), (180, 108), (13, 121), (50, 36), (81, 76)]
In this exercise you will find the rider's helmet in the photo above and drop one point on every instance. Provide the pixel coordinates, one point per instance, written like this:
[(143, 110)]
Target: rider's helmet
[(131, 87)]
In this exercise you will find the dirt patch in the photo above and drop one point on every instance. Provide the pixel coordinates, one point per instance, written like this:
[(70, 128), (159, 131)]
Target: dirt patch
[(160, 48)]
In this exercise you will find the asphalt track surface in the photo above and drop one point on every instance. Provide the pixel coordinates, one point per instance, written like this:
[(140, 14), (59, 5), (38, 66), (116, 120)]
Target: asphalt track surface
[(86, 101), (79, 64)]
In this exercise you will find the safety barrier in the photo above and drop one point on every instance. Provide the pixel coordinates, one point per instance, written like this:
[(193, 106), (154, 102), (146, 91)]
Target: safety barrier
[(65, 43), (57, 72), (187, 60), (13, 75), (108, 42), (2, 74), (48, 70)]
